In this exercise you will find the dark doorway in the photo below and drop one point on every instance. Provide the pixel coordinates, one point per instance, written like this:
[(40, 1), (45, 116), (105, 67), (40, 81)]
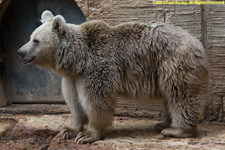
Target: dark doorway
[(28, 84)]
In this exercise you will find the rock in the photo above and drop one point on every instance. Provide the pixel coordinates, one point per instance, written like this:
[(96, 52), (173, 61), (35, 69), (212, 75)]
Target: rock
[(122, 135), (40, 133), (43, 128), (6, 124), (24, 144), (135, 133), (58, 143)]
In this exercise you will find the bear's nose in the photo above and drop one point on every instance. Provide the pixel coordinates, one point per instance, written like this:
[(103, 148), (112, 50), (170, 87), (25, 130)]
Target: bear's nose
[(20, 53)]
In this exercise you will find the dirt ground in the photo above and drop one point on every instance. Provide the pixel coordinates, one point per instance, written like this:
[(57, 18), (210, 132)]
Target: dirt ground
[(26, 128)]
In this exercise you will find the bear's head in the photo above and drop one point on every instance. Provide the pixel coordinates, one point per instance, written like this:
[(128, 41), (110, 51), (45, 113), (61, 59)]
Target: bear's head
[(44, 41)]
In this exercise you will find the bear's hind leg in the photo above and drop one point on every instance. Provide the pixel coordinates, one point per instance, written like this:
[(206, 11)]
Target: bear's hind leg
[(184, 117)]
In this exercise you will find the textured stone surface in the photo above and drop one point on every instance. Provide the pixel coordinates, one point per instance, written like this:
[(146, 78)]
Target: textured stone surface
[(123, 109), (36, 132), (5, 125), (35, 109), (216, 53), (117, 11), (130, 133), (44, 126)]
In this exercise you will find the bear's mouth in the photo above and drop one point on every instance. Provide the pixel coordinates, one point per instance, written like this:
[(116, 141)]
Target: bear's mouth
[(27, 60)]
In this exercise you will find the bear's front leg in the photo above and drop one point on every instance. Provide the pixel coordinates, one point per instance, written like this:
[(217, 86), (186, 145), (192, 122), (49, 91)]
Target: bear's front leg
[(100, 113), (97, 126), (78, 118)]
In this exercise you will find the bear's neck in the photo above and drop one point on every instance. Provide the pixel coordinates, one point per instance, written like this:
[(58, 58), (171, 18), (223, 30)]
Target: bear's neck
[(71, 58)]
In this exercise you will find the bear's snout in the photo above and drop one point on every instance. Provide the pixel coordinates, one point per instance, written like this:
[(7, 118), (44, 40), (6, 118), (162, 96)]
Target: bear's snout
[(20, 53), (26, 58)]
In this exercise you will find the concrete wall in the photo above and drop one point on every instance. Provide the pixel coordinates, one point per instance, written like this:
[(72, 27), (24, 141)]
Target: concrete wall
[(216, 57)]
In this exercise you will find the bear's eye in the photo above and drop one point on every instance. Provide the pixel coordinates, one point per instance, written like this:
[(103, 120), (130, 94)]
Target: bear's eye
[(35, 41)]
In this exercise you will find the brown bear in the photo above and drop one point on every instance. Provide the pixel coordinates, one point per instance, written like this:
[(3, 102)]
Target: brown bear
[(135, 61)]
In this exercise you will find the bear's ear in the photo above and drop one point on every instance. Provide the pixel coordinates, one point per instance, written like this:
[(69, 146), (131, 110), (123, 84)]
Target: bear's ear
[(58, 23), (46, 16)]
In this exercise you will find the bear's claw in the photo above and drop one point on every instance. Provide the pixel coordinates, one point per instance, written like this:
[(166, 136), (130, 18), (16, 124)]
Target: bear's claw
[(86, 137), (68, 133)]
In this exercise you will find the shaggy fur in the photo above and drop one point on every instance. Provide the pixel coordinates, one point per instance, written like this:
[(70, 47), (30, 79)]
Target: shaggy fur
[(135, 61)]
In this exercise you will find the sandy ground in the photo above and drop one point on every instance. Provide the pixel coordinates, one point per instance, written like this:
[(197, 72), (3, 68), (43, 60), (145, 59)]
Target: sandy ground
[(39, 131)]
